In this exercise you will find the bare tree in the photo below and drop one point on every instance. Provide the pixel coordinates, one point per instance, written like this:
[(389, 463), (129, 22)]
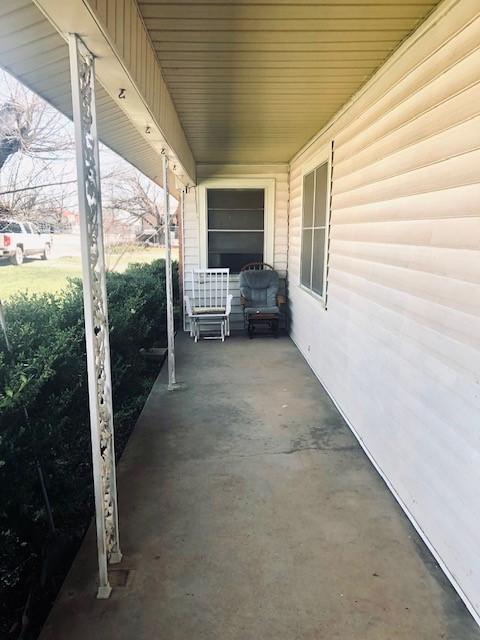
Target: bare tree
[(36, 146), (13, 130), (29, 125), (134, 201), (137, 198)]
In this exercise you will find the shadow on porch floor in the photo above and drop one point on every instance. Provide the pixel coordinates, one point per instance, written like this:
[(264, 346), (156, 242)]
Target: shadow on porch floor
[(249, 512)]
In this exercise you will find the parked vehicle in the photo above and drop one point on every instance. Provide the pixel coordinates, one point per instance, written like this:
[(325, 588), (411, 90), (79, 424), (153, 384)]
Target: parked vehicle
[(20, 239)]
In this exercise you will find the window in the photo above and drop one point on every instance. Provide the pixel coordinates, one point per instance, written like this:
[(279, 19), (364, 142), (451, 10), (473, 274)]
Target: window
[(235, 226), (315, 229), (7, 226)]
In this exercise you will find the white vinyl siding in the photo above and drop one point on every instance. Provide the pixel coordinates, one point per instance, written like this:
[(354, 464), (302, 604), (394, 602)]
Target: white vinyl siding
[(399, 349)]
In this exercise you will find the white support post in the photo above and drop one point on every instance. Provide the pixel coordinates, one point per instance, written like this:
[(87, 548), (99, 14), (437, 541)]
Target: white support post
[(82, 69), (168, 278), (183, 192)]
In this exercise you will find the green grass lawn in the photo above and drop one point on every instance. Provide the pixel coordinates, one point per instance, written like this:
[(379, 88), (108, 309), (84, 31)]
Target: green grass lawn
[(39, 276)]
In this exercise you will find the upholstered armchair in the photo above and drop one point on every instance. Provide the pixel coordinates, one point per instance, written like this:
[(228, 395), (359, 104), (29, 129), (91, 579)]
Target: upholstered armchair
[(259, 285)]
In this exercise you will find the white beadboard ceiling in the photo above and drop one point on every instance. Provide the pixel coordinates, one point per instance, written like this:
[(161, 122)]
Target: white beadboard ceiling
[(253, 81)]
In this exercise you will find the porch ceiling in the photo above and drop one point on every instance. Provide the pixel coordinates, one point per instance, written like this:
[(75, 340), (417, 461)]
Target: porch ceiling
[(253, 81)]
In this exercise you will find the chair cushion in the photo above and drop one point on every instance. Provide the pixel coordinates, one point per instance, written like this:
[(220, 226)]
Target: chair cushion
[(207, 310), (251, 311), (260, 288)]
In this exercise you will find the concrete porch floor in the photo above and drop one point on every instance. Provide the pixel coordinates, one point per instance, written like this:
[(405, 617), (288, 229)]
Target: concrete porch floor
[(249, 512)]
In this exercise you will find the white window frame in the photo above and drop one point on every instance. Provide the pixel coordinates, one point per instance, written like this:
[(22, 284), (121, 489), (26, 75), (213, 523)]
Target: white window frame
[(267, 184), (323, 157)]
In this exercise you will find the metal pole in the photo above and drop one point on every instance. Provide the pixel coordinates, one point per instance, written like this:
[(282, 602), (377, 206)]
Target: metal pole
[(3, 324), (82, 69), (181, 261), (168, 278)]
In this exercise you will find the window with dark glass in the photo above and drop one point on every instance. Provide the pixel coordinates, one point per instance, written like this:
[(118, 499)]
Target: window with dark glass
[(314, 229), (10, 227), (235, 227)]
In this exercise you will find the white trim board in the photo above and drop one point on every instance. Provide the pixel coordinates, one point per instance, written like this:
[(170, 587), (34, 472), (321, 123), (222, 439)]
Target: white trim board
[(225, 170)]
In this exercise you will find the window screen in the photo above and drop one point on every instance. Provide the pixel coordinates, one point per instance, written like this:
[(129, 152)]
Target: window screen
[(235, 227), (314, 229)]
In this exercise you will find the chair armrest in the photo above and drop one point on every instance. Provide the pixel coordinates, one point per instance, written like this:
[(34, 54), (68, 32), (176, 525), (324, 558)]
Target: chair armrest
[(188, 306), (228, 306)]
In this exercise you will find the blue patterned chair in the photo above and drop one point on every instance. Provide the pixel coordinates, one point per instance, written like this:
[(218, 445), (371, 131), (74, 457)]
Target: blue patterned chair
[(259, 285)]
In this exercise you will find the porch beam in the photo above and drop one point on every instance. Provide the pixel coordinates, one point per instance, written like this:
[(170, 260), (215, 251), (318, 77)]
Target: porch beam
[(82, 68), (128, 69)]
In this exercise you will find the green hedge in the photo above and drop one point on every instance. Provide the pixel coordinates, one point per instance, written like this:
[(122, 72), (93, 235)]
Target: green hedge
[(46, 374)]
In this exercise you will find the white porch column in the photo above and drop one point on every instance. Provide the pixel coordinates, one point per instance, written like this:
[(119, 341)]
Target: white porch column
[(82, 68), (168, 278)]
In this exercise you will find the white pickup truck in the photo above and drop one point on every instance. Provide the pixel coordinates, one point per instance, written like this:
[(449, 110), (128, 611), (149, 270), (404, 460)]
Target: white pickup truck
[(20, 239)]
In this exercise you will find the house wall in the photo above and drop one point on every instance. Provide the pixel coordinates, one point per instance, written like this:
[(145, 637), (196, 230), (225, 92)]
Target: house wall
[(398, 344), (192, 226)]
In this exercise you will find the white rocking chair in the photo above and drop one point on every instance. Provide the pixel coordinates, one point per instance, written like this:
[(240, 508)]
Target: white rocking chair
[(209, 303)]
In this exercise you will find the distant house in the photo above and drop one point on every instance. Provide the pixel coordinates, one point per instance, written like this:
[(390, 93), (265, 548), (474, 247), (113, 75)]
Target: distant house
[(70, 221)]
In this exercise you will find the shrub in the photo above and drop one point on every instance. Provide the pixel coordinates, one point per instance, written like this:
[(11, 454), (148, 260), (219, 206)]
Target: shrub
[(44, 423)]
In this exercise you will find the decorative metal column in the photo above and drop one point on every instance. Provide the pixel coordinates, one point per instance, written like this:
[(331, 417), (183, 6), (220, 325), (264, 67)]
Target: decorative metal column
[(168, 277), (183, 192), (82, 69)]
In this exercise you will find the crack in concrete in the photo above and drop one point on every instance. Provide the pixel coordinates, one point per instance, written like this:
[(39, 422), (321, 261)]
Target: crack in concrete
[(285, 452)]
